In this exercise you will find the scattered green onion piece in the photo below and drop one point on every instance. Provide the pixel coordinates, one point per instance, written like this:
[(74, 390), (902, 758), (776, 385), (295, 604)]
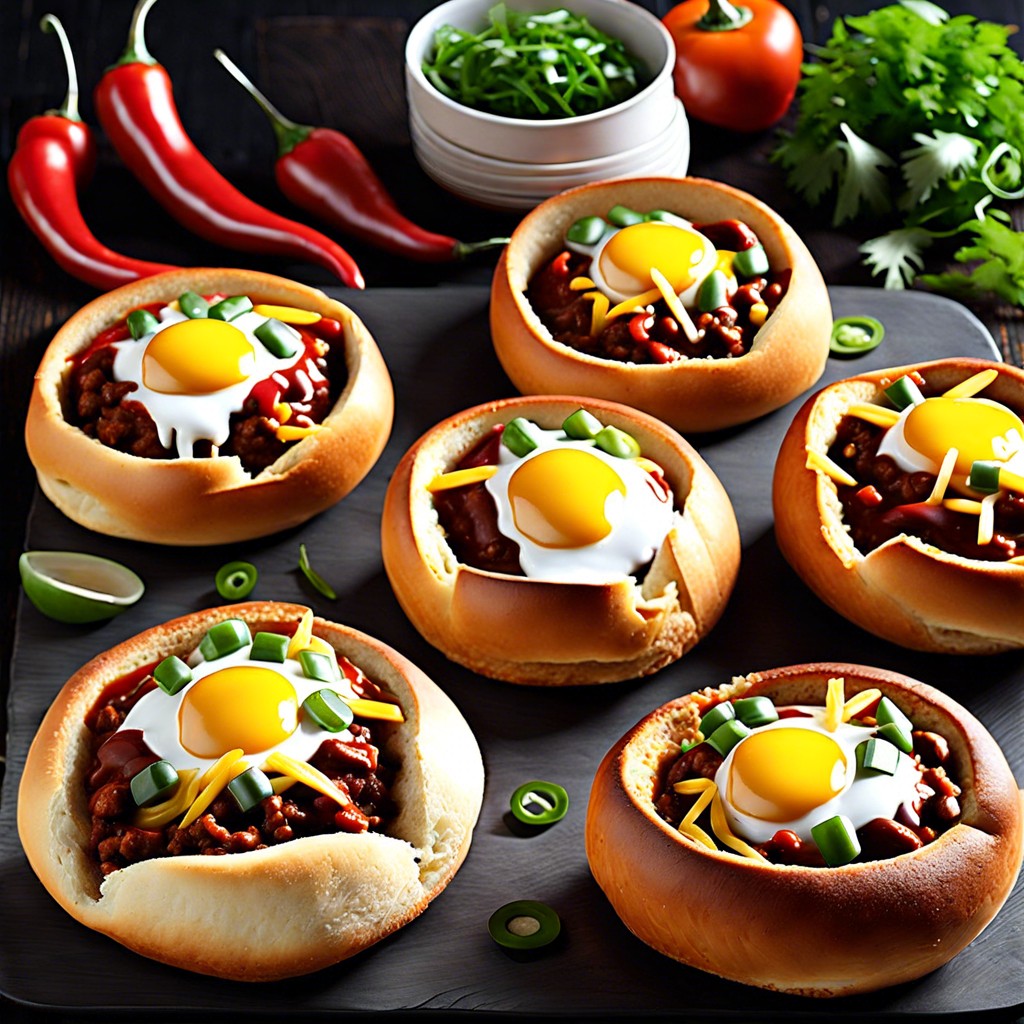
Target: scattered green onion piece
[(318, 582), (750, 262), (141, 322), (903, 393), (897, 736), (668, 218), (886, 711), (519, 436), (278, 338), (718, 715), (714, 292), (878, 755), (328, 710), (582, 425), (617, 443), (172, 674), (755, 711), (622, 216), (318, 666), (837, 840), (250, 788), (726, 736), (551, 798), (524, 925), (154, 783), (984, 476), (587, 231), (688, 745), (269, 647), (236, 580), (224, 638), (855, 335), (230, 309), (194, 306)]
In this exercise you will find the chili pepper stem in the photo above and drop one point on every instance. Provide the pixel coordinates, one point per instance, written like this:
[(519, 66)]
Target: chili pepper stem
[(69, 108), (722, 16), (463, 250), (136, 52), (287, 132)]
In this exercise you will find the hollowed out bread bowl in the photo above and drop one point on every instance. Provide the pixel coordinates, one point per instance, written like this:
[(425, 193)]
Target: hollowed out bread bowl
[(787, 356), (812, 931), (906, 590), (191, 501), (553, 633), (284, 910)]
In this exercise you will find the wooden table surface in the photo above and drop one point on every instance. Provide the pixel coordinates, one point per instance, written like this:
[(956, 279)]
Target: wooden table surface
[(333, 63)]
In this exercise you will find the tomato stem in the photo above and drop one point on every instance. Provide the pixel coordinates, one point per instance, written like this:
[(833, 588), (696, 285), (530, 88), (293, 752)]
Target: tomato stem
[(722, 16)]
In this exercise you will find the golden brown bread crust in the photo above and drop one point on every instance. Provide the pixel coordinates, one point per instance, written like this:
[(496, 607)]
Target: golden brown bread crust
[(532, 631), (273, 913), (206, 501), (788, 354), (904, 591), (833, 931)]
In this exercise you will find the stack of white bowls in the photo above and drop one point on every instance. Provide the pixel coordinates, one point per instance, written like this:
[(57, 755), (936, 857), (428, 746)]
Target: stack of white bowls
[(515, 163)]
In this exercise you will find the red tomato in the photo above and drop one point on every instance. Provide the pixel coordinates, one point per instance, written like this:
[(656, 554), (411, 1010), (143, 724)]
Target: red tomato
[(741, 78)]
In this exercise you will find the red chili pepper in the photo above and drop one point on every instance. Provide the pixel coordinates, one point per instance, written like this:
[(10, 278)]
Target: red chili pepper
[(135, 104), (55, 155), (323, 171)]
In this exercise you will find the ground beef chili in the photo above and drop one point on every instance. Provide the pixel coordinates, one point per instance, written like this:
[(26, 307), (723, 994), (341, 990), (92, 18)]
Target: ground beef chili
[(935, 808), (354, 765), (103, 407), (724, 333)]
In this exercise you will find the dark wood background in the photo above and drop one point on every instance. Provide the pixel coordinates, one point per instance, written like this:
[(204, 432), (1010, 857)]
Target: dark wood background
[(334, 63)]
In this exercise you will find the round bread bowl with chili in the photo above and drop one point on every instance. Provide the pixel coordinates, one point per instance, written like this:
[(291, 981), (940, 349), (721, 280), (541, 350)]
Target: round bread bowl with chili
[(785, 357), (809, 930), (213, 499), (557, 630), (934, 579), (292, 906)]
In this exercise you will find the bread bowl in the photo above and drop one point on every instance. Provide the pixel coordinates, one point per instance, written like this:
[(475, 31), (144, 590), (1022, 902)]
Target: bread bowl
[(926, 590), (787, 354), (555, 628), (813, 931), (175, 498), (296, 905)]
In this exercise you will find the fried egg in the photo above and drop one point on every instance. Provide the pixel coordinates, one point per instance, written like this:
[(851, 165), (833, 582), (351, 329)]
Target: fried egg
[(578, 514), (234, 703), (621, 260), (793, 774), (192, 374)]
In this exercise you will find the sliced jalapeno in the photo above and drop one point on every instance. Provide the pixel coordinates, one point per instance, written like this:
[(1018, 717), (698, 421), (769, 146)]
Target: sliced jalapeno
[(236, 580), (539, 803), (194, 306), (524, 924), (141, 322), (230, 308), (855, 335)]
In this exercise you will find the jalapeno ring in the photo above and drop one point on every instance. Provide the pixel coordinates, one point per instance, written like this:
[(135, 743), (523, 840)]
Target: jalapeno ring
[(236, 580), (855, 335), (524, 924), (551, 798)]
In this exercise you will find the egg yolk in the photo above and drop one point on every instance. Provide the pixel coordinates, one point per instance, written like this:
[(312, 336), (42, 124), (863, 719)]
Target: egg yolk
[(628, 256), (197, 357), (244, 706), (783, 774), (935, 425), (559, 498)]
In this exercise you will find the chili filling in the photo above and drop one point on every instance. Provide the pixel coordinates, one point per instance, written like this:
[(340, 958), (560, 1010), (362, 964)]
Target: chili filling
[(297, 398), (718, 272)]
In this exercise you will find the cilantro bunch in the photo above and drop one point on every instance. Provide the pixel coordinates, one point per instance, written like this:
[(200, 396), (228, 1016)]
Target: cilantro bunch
[(917, 119)]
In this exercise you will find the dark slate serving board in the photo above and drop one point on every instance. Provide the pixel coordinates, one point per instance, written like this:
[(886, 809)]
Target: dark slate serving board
[(437, 345)]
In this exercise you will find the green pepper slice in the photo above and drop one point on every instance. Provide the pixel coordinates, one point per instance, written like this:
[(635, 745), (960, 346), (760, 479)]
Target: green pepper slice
[(855, 335), (524, 925), (236, 580), (550, 799)]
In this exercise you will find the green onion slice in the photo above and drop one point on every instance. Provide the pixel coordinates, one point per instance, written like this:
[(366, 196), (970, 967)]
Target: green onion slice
[(250, 788), (519, 436), (154, 783), (855, 335), (172, 674), (718, 715), (837, 840), (524, 925), (726, 736), (984, 476), (236, 580), (587, 231), (318, 666), (141, 322), (224, 638), (539, 803), (617, 443), (751, 262), (194, 306), (581, 425), (328, 710), (903, 393), (269, 647), (878, 755), (230, 309), (318, 582), (755, 711), (278, 338)]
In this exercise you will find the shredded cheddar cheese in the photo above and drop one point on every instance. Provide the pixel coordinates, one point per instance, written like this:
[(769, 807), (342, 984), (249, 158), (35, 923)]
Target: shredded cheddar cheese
[(971, 386), (303, 772), (579, 284), (598, 311), (461, 477), (943, 478), (968, 506), (876, 414), (823, 464), (286, 432), (987, 518), (214, 779), (859, 701), (708, 794), (174, 806), (834, 703), (635, 304), (379, 709), (287, 314), (303, 634), (675, 307)]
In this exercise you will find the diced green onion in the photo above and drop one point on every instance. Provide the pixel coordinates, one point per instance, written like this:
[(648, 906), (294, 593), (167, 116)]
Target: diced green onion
[(666, 217), (224, 638), (897, 736), (714, 292), (718, 715), (236, 580), (617, 443), (886, 711), (837, 840), (250, 788), (328, 710), (141, 322), (878, 755), (278, 338), (318, 582), (318, 666), (230, 309), (750, 262), (582, 425), (194, 306), (855, 335), (519, 436), (587, 231), (154, 783), (269, 647), (984, 476), (524, 925), (755, 711), (172, 674), (622, 216), (903, 393), (539, 803), (727, 735)]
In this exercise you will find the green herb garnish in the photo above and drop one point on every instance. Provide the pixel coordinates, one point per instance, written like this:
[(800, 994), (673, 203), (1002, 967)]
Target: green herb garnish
[(318, 582)]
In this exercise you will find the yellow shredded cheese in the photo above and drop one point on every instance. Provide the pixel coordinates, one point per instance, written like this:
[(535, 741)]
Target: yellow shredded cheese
[(213, 781), (174, 806), (578, 284), (708, 793), (834, 703), (281, 783), (289, 433), (379, 709), (823, 464), (303, 634), (460, 478), (303, 772), (987, 518), (702, 801), (287, 314), (283, 412), (968, 506), (721, 829), (675, 307), (943, 478), (876, 414), (321, 646), (971, 386), (859, 701), (598, 312), (635, 304), (1011, 481)]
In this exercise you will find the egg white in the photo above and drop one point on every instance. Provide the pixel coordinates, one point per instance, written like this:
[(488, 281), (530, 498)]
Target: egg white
[(862, 798), (156, 714), (639, 521), (182, 420)]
